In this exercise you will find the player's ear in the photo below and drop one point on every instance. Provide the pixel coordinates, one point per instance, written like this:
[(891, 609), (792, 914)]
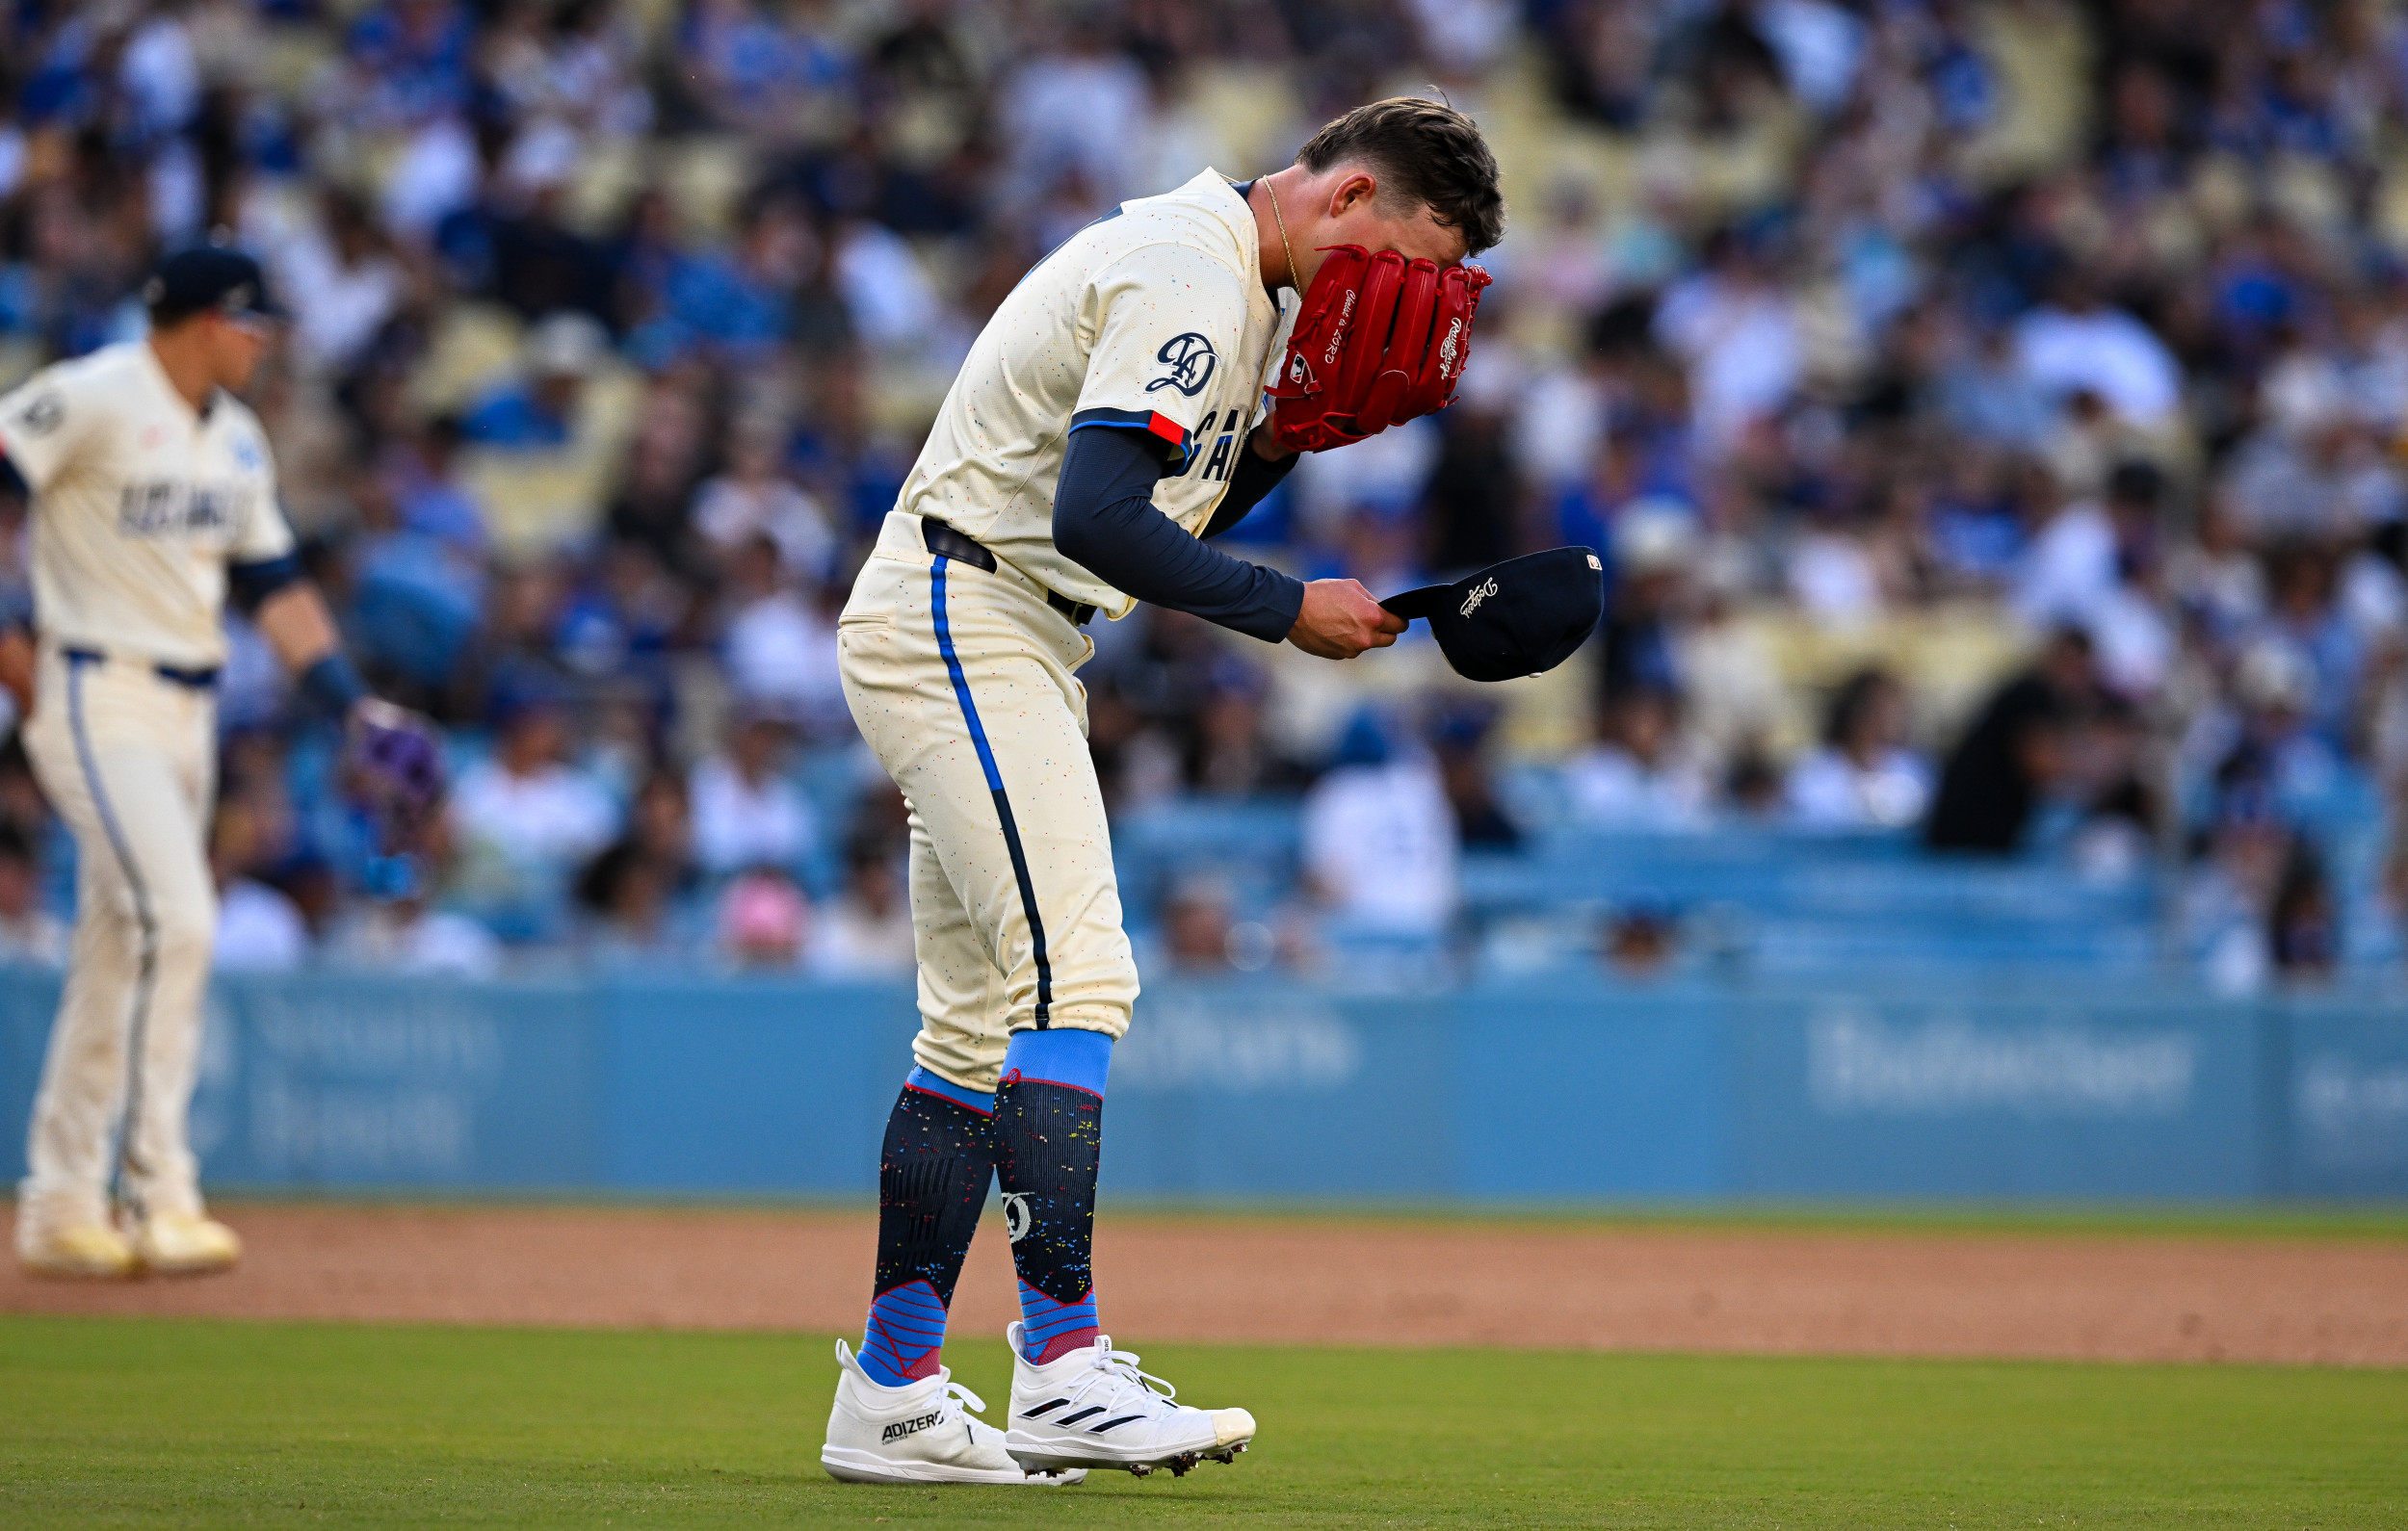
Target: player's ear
[(1355, 189)]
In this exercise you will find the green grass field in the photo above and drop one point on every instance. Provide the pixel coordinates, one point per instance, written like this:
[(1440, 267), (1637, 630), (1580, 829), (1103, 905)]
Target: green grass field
[(153, 1422)]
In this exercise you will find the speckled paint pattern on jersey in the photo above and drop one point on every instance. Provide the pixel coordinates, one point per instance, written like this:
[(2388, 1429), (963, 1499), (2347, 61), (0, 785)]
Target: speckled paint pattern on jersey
[(1154, 318)]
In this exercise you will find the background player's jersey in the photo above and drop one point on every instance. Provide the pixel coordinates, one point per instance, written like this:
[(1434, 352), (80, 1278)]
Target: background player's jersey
[(139, 505), (1152, 317)]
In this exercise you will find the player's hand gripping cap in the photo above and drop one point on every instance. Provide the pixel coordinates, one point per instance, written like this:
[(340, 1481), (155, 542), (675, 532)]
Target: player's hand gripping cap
[(1524, 616), (394, 765), (1379, 340)]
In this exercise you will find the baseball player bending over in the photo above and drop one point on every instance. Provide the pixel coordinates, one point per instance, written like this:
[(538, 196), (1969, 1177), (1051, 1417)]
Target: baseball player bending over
[(1109, 419), (153, 499)]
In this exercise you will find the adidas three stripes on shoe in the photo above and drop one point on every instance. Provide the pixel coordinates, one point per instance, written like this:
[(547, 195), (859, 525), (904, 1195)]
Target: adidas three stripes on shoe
[(1092, 1408)]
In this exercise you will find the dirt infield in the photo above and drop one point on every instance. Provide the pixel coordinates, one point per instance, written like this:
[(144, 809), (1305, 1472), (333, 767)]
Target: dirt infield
[(2137, 1298)]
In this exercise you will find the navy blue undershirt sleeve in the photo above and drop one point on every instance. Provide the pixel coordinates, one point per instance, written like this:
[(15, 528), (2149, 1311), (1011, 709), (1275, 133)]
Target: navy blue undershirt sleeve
[(1105, 520), (250, 583), (1253, 478)]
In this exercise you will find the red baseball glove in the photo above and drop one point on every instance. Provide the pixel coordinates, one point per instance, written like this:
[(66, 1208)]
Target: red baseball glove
[(1379, 340)]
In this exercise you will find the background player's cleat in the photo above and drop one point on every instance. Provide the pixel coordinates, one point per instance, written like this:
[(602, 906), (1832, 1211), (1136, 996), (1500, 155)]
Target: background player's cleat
[(175, 1244), (926, 1433), (92, 1251), (1094, 1408)]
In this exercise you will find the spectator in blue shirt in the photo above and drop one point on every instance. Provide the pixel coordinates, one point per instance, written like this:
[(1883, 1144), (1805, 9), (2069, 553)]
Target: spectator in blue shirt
[(540, 409)]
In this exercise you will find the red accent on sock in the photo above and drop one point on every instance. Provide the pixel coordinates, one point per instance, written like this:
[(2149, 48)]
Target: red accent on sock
[(917, 1363), (1068, 1340)]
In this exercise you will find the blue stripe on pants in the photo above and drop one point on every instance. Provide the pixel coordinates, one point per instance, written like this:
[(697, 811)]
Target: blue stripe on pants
[(1003, 804), (146, 970)]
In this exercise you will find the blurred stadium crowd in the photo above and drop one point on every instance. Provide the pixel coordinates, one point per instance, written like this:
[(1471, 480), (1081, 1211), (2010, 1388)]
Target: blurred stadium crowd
[(1991, 412)]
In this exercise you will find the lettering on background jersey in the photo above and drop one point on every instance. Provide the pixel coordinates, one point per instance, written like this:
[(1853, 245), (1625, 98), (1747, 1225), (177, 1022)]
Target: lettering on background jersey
[(163, 508)]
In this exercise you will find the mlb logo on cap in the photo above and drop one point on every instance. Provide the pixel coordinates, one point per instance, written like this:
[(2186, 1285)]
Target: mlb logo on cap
[(1524, 616)]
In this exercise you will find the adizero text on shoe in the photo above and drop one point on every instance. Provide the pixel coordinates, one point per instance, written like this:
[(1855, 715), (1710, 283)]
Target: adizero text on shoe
[(1094, 1408), (929, 1432)]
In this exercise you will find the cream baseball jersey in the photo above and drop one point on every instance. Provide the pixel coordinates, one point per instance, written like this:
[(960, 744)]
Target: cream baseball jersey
[(1152, 317), (140, 502)]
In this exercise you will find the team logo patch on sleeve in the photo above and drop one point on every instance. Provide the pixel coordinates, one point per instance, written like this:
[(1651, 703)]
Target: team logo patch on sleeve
[(1191, 359), (43, 415)]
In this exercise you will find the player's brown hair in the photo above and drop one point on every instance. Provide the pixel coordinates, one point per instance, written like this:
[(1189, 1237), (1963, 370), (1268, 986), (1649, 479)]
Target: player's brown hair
[(1422, 151)]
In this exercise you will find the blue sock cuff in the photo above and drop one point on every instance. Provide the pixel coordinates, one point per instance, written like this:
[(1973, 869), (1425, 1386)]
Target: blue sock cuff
[(1044, 1320), (906, 1329), (979, 1100), (1061, 1055)]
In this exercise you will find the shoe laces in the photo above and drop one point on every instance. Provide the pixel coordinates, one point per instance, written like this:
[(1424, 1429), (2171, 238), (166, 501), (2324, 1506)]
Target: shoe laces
[(953, 1398), (1116, 1371), (957, 1399)]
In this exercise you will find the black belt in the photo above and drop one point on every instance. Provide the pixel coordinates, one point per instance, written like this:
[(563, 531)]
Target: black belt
[(199, 680), (946, 543)]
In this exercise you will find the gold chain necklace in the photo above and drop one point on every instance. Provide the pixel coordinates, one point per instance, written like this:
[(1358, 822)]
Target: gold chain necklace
[(1294, 280)]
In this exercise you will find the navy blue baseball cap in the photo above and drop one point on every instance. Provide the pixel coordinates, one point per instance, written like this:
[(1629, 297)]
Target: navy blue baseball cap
[(208, 277), (1524, 616)]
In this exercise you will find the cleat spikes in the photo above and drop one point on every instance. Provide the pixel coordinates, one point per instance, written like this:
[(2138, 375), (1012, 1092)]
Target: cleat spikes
[(1095, 1409)]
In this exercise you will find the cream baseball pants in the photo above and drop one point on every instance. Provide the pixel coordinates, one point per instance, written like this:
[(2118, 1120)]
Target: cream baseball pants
[(962, 682), (127, 757)]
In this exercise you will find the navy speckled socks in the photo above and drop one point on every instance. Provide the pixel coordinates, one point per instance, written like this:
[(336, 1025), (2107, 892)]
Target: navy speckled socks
[(932, 1174), (1048, 1135)]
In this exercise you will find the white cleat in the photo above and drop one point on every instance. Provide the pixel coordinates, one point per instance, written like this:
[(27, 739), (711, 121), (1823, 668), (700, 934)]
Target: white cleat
[(1094, 1408), (79, 1250), (175, 1244), (926, 1432)]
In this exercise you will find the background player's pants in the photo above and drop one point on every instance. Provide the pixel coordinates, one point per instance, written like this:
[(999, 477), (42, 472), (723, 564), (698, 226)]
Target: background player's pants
[(127, 758), (961, 681)]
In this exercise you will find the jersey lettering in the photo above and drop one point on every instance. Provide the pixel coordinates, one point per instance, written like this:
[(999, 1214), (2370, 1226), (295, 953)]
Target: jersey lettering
[(1222, 458), (1203, 431), (166, 510)]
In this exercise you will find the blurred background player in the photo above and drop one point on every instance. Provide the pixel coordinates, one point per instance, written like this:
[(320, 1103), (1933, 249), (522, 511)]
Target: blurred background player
[(154, 500), (1104, 425)]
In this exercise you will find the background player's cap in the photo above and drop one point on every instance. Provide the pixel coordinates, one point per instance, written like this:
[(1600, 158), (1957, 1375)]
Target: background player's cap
[(1524, 616), (208, 277)]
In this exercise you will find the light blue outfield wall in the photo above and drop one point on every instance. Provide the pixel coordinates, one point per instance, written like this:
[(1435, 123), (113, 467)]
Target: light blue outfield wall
[(1544, 1092)]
